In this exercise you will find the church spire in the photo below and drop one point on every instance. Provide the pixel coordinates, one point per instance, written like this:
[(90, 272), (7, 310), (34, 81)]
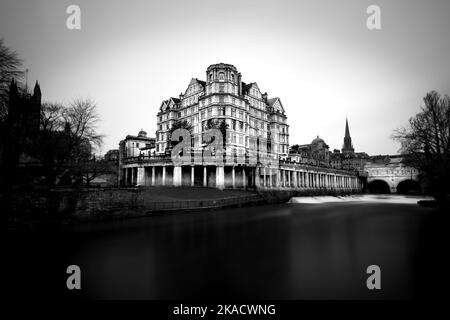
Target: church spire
[(347, 131), (348, 146)]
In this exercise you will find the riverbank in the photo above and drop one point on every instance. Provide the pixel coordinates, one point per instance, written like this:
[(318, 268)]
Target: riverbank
[(62, 206), (71, 205)]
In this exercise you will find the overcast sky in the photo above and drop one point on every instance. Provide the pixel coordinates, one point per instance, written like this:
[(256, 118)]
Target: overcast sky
[(317, 56)]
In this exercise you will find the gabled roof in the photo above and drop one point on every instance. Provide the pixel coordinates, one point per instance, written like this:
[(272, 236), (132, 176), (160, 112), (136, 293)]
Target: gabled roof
[(276, 104), (195, 81), (246, 87), (168, 103)]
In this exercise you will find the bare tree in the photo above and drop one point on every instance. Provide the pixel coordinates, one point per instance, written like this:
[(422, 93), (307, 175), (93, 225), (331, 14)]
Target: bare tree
[(67, 137), (425, 143), (9, 69), (82, 116)]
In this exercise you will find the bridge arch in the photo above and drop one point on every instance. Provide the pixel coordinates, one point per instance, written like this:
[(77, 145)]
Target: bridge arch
[(409, 186), (378, 186)]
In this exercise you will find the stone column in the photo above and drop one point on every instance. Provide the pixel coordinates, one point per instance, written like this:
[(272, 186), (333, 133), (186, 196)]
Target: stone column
[(270, 177), (220, 177), (264, 176), (192, 175), (164, 175), (125, 182), (277, 178), (244, 182), (153, 175), (295, 179), (233, 177), (177, 176), (289, 178), (140, 176), (205, 178)]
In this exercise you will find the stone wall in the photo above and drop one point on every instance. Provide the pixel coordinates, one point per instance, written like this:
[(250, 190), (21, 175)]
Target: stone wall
[(97, 204)]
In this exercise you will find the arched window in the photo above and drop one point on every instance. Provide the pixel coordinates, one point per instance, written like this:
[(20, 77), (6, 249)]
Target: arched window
[(210, 76), (221, 76), (232, 77)]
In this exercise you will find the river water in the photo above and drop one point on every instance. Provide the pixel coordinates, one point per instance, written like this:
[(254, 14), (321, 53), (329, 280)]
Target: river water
[(283, 251)]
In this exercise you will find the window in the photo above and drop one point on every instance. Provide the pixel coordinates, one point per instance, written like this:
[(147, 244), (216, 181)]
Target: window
[(209, 112), (221, 99), (221, 111), (221, 87), (221, 76), (232, 77), (202, 115), (233, 112), (210, 76)]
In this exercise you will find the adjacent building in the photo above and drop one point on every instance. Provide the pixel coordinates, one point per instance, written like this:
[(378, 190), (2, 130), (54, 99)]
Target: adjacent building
[(135, 146), (347, 158)]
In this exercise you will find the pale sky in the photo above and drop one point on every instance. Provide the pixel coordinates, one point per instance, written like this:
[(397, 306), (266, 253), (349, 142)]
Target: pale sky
[(317, 56)]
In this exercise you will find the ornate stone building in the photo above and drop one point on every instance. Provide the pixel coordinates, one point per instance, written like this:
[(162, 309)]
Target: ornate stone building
[(18, 134), (250, 116)]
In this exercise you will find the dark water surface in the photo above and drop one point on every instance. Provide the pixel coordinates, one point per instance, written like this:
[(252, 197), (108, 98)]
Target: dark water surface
[(287, 251)]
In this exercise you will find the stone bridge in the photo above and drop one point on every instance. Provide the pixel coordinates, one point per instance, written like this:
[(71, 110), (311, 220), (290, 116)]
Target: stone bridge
[(388, 174)]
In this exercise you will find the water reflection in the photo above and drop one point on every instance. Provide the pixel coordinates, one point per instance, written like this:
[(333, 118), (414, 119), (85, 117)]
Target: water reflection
[(289, 251)]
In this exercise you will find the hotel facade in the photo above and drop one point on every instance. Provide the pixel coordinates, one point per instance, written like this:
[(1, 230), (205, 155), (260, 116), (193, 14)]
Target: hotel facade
[(251, 152)]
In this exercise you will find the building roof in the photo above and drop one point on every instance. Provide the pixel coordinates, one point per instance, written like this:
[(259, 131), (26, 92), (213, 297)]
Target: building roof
[(317, 140), (131, 137)]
